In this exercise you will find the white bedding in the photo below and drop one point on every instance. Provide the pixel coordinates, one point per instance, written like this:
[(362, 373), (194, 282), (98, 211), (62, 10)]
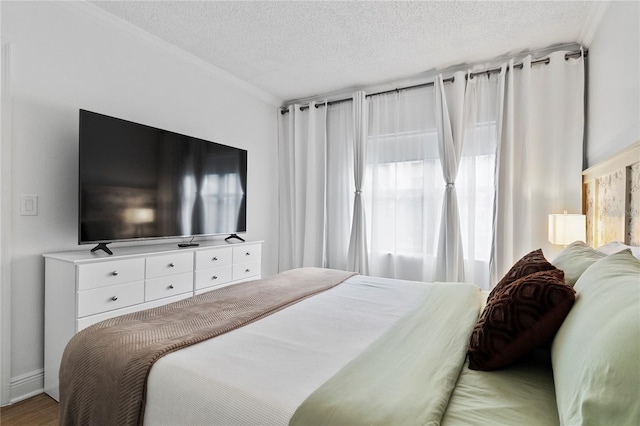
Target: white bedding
[(245, 371)]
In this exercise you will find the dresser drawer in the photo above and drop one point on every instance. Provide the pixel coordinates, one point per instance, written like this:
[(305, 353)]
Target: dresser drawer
[(247, 253), (105, 299), (213, 277), (171, 285), (169, 264), (82, 323), (246, 270), (213, 258), (100, 274)]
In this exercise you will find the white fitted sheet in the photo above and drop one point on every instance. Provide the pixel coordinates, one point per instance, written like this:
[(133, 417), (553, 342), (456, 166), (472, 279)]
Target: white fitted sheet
[(260, 373)]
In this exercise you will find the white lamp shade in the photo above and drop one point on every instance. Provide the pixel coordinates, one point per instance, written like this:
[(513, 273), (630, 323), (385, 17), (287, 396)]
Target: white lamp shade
[(566, 228)]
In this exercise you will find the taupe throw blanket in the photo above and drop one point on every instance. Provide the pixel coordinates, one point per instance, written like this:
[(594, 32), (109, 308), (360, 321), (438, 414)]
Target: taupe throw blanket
[(104, 368)]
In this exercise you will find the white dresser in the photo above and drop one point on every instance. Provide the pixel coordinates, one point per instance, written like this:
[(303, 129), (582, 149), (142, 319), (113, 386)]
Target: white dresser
[(83, 288)]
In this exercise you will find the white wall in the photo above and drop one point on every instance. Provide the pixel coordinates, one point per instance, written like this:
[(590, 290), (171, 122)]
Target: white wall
[(614, 82), (62, 61)]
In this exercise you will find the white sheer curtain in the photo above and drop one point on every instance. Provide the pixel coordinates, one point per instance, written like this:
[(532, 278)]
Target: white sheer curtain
[(340, 183), (403, 184), (540, 155), (358, 256), (316, 185), (449, 123), (301, 181), (467, 112), (476, 173)]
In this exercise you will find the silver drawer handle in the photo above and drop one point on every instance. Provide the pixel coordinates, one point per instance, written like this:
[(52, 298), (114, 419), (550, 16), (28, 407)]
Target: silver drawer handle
[(114, 273), (114, 298), (171, 265), (215, 258), (215, 277), (171, 287)]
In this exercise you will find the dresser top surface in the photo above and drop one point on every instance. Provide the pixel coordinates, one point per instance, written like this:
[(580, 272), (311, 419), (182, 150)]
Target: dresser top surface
[(124, 252)]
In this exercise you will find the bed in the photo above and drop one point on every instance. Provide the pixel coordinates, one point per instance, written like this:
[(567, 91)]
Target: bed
[(555, 342)]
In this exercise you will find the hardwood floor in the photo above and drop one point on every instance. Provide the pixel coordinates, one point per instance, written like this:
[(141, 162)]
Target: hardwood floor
[(41, 410)]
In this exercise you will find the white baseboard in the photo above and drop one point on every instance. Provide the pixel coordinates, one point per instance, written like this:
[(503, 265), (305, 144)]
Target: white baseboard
[(27, 385)]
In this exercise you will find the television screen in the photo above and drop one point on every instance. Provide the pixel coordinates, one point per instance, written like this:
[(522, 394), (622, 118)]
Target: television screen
[(140, 182)]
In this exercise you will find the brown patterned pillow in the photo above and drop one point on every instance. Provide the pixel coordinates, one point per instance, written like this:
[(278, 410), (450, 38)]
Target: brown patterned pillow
[(521, 316), (528, 264)]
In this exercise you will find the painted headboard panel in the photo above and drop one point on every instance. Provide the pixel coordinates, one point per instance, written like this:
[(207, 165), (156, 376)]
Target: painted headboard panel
[(611, 199)]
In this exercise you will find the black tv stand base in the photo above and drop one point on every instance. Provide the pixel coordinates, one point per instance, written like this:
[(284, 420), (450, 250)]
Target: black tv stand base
[(232, 236), (102, 246)]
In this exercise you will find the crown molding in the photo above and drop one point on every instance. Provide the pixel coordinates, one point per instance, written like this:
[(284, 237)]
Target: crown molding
[(591, 24), (111, 22)]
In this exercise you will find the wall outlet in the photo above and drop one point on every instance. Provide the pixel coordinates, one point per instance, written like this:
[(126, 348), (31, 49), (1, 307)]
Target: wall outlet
[(28, 205)]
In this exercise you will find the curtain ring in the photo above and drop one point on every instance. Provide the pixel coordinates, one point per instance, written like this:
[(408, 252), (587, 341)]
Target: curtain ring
[(357, 192), (450, 184)]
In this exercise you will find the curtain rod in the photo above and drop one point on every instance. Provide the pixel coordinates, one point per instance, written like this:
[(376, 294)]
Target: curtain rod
[(488, 72)]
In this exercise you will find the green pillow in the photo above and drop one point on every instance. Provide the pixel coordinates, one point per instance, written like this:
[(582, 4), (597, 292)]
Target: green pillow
[(574, 259), (596, 352)]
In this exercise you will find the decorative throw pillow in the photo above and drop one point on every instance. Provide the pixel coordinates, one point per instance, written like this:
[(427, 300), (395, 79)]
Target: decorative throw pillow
[(521, 316), (528, 264), (574, 259)]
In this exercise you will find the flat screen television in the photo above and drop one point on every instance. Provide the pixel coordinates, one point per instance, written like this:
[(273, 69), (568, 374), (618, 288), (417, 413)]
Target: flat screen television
[(138, 182)]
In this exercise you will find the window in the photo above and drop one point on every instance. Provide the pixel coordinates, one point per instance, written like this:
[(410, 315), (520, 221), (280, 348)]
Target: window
[(403, 194)]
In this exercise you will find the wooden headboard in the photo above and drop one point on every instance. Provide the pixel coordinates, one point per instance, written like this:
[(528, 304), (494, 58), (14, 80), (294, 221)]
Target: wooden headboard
[(611, 199)]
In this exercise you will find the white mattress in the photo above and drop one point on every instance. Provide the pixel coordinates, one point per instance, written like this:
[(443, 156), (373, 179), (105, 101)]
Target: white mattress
[(261, 373)]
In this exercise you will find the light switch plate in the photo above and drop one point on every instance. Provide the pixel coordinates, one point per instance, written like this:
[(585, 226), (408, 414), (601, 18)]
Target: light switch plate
[(28, 205)]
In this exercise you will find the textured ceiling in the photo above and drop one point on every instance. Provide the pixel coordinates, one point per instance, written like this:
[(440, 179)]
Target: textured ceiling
[(298, 49)]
